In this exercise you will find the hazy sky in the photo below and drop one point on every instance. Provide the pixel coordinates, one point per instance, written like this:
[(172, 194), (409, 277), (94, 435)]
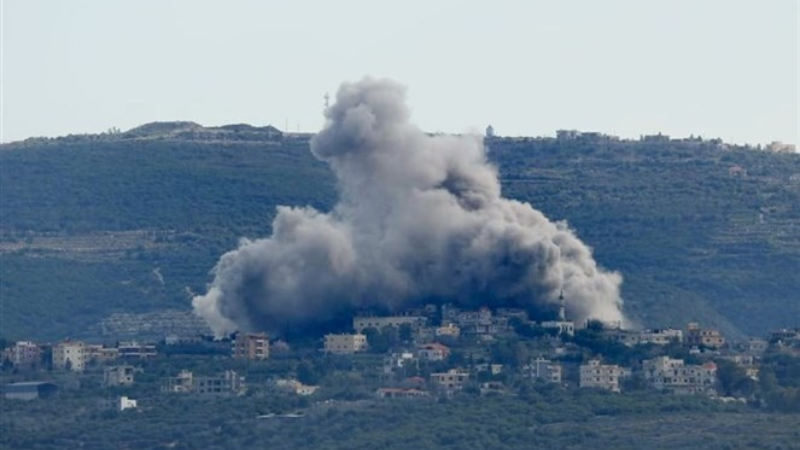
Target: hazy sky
[(722, 68)]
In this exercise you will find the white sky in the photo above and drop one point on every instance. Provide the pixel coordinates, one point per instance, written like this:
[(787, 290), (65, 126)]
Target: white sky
[(717, 68)]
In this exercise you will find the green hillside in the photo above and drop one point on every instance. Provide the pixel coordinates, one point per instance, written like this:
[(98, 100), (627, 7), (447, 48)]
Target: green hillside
[(132, 222)]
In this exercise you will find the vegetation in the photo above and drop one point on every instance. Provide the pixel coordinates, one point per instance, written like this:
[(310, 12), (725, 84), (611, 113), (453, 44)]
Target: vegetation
[(696, 238)]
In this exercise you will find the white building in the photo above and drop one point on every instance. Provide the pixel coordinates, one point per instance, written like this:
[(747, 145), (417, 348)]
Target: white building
[(296, 387), (69, 355), (25, 354), (672, 375), (345, 344), (657, 337), (449, 329), (126, 403), (563, 325), (136, 350), (379, 323), (544, 370), (433, 352), (397, 361), (602, 376)]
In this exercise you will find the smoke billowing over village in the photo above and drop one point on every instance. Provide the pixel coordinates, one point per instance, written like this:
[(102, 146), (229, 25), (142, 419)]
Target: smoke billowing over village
[(420, 218)]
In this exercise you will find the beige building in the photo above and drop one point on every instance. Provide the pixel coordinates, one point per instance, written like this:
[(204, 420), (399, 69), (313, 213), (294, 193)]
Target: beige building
[(254, 346), (543, 370), (99, 354), (185, 382), (25, 355), (703, 337), (453, 379), (602, 376), (433, 352), (69, 355), (345, 344), (449, 329), (672, 375)]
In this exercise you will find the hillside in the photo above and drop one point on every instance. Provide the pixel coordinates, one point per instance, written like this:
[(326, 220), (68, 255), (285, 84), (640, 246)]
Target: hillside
[(93, 225)]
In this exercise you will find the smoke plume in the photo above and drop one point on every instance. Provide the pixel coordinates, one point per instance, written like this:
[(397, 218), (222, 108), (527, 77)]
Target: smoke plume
[(420, 219)]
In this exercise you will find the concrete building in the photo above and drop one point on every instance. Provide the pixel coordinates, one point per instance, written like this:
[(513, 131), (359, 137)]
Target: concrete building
[(632, 338), (700, 337), (99, 354), (433, 352), (25, 355), (450, 329), (136, 350), (543, 370), (345, 344), (453, 379), (253, 346), (401, 393), (119, 375), (563, 325), (126, 403), (396, 361), (186, 382), (69, 355), (379, 323), (602, 376), (672, 375), (296, 387), (29, 390)]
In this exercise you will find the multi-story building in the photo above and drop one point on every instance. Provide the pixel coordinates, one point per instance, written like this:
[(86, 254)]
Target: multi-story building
[(396, 361), (185, 382), (700, 337), (99, 354), (25, 355), (69, 355), (453, 379), (119, 375), (544, 370), (433, 352), (673, 375), (602, 376), (345, 344), (379, 323), (254, 346), (401, 393), (632, 338), (450, 329), (136, 350)]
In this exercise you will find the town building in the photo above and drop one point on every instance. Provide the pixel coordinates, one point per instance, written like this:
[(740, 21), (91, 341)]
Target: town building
[(252, 346), (126, 403), (450, 330), (136, 350), (673, 375), (69, 355), (25, 355), (29, 390), (453, 379), (296, 387), (229, 382), (632, 337), (700, 337), (433, 352), (562, 325), (593, 374), (379, 323), (542, 369), (401, 393), (396, 361), (119, 375), (99, 354), (345, 344)]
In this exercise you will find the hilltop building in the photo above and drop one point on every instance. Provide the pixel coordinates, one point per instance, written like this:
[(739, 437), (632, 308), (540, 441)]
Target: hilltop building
[(252, 346), (453, 379), (185, 382), (602, 376), (563, 325), (119, 375), (632, 338), (136, 350), (433, 352), (345, 344)]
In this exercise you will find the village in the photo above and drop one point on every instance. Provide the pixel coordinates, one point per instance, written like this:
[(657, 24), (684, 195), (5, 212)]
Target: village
[(430, 352)]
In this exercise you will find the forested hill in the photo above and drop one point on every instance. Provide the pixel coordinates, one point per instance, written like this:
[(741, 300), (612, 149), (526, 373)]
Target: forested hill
[(92, 225)]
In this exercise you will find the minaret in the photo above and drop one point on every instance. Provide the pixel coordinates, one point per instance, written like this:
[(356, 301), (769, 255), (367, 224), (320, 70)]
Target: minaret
[(562, 314)]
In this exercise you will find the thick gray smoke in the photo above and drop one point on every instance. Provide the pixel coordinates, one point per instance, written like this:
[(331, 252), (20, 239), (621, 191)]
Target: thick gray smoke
[(420, 218)]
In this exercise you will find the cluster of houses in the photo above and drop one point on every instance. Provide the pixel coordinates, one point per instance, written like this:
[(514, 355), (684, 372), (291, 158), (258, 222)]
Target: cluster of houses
[(430, 335)]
